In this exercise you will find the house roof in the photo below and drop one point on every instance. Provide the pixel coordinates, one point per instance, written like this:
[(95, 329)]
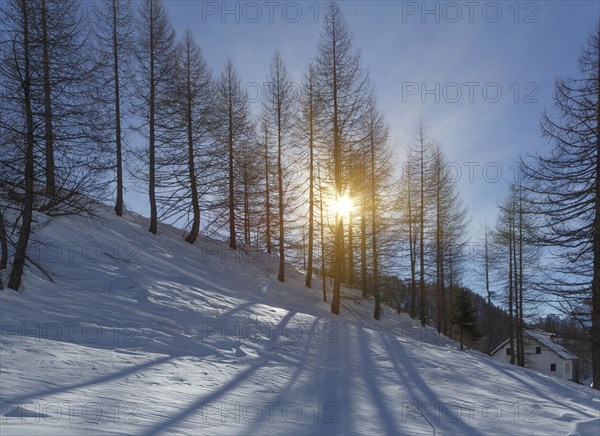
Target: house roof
[(499, 347), (543, 338)]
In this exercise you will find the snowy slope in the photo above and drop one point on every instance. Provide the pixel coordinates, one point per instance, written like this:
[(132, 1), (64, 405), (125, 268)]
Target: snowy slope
[(143, 334)]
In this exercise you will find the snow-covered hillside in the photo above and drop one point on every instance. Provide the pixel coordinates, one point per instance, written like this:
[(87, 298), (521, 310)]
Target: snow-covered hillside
[(143, 334)]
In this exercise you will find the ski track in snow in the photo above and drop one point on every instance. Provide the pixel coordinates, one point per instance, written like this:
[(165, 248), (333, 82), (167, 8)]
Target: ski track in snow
[(143, 334)]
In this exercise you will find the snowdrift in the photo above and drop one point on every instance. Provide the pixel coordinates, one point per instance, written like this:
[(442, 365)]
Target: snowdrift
[(143, 334)]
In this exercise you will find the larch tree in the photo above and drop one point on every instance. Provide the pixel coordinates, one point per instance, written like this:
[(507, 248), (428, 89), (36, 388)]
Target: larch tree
[(184, 163), (279, 104), (51, 152), (565, 185), (419, 162), (408, 222), (62, 90), (234, 130), (74, 154), (454, 240), (486, 259), (517, 258), (198, 91), (267, 170), (309, 110), (343, 93), (157, 61), (377, 136), (449, 230), (17, 71), (114, 36)]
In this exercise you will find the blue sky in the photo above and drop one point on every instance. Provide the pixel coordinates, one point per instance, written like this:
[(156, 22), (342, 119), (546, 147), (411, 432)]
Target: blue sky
[(444, 62), (480, 74)]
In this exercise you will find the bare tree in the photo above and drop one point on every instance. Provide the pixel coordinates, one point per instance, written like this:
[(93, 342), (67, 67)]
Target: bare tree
[(63, 73), (18, 19), (517, 256), (235, 129), (184, 164), (114, 32), (279, 104), (565, 183), (343, 91), (267, 172), (157, 60), (489, 294), (377, 133), (409, 224), (419, 162), (52, 158), (309, 109)]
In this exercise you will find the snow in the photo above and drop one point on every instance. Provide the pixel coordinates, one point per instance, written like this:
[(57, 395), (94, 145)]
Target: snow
[(143, 334), (544, 338)]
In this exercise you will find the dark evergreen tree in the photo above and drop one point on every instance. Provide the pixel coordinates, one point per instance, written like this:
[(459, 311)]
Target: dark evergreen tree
[(464, 317)]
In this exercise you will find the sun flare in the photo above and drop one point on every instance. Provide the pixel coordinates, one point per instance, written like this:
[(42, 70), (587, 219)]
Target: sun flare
[(343, 206)]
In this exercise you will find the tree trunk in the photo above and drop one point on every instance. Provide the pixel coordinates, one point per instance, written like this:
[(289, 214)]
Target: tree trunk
[(323, 253), (246, 204), (3, 242), (412, 254), (311, 199), (337, 162), (516, 289), (374, 230), (191, 238), (438, 243), (521, 319), (350, 275), (489, 293), (595, 333), (25, 231), (281, 275), (50, 169), (511, 331), (151, 180), (363, 236), (422, 239), (267, 191), (232, 237), (119, 202)]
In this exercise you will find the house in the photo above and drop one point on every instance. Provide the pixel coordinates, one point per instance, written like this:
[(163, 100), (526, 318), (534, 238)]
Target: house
[(542, 353)]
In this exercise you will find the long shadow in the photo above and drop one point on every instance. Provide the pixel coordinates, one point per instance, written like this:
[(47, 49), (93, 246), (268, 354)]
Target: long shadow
[(532, 388), (103, 379), (299, 367), (202, 401), (211, 397), (331, 384), (238, 308), (370, 378), (330, 387), (418, 388)]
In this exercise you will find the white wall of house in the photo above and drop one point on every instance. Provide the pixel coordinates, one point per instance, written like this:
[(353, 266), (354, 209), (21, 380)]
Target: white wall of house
[(541, 362)]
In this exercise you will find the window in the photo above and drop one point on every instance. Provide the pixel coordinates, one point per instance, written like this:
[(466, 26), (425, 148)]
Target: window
[(508, 351), (538, 350), (553, 367)]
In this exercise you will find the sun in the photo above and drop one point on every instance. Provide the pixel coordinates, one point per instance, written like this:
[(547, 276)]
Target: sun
[(343, 205)]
